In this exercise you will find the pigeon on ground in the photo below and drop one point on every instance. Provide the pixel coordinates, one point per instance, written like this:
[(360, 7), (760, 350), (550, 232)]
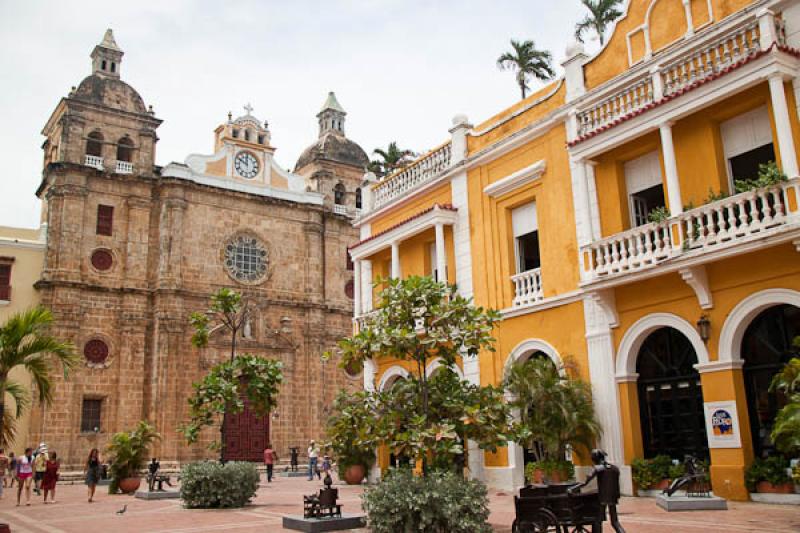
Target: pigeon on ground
[(124, 508)]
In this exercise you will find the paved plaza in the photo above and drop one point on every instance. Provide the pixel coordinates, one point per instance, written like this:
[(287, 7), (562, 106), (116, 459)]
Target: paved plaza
[(72, 514)]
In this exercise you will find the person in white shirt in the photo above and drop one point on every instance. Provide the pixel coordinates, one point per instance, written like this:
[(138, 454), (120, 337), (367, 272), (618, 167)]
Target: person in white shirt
[(313, 457)]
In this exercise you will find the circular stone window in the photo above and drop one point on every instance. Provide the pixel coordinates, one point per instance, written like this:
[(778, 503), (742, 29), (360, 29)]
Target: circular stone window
[(102, 259), (246, 259), (96, 352), (352, 369)]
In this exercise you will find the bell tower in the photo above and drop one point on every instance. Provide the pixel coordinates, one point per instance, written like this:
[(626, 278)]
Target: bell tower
[(331, 117), (107, 57)]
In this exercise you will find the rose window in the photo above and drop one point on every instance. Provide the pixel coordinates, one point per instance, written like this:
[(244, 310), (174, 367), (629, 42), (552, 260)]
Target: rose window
[(95, 351), (246, 259), (102, 259)]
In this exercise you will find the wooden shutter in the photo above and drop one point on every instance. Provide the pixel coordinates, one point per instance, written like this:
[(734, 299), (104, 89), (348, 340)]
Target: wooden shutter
[(5, 282), (105, 219)]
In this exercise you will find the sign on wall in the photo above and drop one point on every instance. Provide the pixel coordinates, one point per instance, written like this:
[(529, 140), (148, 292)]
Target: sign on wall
[(722, 425)]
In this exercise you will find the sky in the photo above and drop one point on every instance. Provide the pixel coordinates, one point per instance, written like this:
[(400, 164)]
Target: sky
[(401, 69)]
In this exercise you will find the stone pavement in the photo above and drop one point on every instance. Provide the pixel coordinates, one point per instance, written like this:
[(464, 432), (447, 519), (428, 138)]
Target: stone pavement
[(73, 514)]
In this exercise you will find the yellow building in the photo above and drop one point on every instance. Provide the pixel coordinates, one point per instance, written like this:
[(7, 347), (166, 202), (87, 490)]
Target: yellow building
[(21, 261), (542, 212)]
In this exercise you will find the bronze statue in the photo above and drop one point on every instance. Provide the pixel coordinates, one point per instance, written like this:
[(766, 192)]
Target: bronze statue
[(607, 487), (694, 479)]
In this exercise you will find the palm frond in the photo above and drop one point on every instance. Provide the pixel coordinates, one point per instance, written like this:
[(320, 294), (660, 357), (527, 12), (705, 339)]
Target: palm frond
[(20, 395)]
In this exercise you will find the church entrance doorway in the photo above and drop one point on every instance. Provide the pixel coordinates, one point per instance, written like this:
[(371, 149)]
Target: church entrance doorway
[(766, 347), (246, 435), (670, 396)]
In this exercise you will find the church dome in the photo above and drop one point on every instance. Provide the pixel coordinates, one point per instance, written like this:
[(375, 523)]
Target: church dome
[(334, 147), (110, 92)]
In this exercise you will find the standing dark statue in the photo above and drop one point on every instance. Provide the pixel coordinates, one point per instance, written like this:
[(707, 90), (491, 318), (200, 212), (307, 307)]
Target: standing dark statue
[(607, 487)]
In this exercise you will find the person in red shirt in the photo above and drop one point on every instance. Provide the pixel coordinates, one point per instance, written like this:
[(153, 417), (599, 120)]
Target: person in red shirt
[(270, 458)]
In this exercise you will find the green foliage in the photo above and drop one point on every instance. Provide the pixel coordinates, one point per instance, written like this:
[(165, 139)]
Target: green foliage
[(648, 472), (786, 431), (226, 386), (391, 160), (555, 410), (211, 485), (25, 343), (768, 174), (772, 469), (349, 430), (796, 474), (714, 196), (227, 311), (659, 215), (438, 503), (528, 61), (128, 452), (550, 467), (601, 14)]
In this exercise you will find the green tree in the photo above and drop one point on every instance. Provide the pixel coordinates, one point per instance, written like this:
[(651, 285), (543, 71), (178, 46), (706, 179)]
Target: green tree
[(128, 452), (26, 343), (391, 159), (349, 430), (601, 14), (554, 410), (528, 62), (224, 389), (418, 319), (228, 312), (786, 431)]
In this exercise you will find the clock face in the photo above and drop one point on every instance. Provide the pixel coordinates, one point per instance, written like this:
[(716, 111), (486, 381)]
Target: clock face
[(246, 165)]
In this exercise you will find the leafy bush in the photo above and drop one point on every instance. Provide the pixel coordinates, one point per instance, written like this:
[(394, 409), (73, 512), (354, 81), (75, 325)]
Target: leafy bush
[(648, 472), (210, 484), (768, 174), (658, 215), (772, 469), (437, 503), (128, 453), (349, 430), (565, 469), (786, 431)]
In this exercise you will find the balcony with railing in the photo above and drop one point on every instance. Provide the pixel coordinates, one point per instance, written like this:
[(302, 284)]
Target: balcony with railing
[(124, 167), (722, 225), (94, 162), (669, 74), (339, 209), (421, 171), (528, 287)]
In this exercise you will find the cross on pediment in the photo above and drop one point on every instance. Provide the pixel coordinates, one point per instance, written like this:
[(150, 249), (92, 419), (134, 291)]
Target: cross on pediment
[(248, 108)]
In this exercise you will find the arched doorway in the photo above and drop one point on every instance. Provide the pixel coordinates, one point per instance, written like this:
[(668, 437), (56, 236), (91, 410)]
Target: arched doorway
[(766, 347), (670, 396)]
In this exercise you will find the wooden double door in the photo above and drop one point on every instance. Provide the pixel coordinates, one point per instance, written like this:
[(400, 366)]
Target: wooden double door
[(246, 436)]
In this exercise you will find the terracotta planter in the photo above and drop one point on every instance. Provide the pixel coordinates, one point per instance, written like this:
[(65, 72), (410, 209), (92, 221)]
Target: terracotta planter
[(538, 477), (556, 477), (129, 485), (355, 474), (661, 485), (765, 487)]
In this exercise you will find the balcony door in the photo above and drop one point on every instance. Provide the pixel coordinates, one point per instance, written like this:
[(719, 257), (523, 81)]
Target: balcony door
[(526, 238), (644, 186), (747, 142)]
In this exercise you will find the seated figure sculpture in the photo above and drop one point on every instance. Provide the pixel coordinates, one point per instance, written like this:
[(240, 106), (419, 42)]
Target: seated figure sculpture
[(694, 480)]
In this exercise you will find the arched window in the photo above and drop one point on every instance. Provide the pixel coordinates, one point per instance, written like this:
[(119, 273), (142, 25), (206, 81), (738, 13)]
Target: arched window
[(103, 65), (113, 67), (766, 347), (94, 144), (235, 133), (125, 149), (670, 396), (338, 194), (358, 198), (246, 135)]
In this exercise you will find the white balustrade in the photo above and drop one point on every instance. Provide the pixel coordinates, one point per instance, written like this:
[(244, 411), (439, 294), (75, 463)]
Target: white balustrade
[(527, 287), (360, 321), (626, 102), (124, 167), (339, 209), (94, 162), (420, 171), (720, 224)]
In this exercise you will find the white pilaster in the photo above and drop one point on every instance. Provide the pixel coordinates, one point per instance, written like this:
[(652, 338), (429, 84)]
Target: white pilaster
[(594, 205), (461, 237), (580, 196), (687, 9), (441, 254), (783, 127), (573, 71), (357, 307), (671, 169), (458, 137), (766, 28), (366, 286), (395, 260)]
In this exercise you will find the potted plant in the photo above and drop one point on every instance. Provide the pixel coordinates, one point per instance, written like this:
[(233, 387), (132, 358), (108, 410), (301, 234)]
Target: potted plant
[(556, 413), (128, 455), (348, 431), (656, 473), (769, 476)]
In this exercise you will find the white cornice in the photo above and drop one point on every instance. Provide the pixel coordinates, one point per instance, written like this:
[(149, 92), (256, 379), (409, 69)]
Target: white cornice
[(435, 216), (21, 243), (516, 180), (718, 366), (547, 303)]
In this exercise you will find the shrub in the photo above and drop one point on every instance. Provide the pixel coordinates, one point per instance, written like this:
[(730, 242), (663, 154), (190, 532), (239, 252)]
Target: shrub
[(210, 484), (441, 502), (772, 469), (128, 453), (768, 174), (648, 472), (565, 469), (658, 215)]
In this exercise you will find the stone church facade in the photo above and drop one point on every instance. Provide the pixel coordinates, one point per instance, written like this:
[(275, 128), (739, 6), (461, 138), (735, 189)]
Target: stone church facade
[(133, 249)]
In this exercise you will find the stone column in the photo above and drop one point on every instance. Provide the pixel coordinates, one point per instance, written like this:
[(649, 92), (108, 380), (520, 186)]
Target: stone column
[(441, 254), (580, 195), (357, 307), (396, 260), (671, 168), (783, 126)]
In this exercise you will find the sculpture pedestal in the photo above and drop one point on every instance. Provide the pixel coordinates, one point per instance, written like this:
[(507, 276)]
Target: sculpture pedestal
[(314, 525), (685, 503), (158, 495)]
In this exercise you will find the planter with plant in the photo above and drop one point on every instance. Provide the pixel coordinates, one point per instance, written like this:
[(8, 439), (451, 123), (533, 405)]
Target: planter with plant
[(656, 473), (348, 431), (128, 453), (549, 471), (555, 413), (768, 175), (770, 476)]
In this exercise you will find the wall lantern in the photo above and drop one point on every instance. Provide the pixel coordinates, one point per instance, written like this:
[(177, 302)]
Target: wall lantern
[(704, 328)]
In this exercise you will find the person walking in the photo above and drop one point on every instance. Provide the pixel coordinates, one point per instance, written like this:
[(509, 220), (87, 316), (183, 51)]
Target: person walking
[(92, 471), (39, 466), (270, 458), (12, 469), (313, 457), (24, 476), (326, 465), (50, 478), (3, 470)]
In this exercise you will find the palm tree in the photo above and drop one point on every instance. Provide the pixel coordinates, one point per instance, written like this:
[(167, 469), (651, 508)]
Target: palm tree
[(25, 343), (393, 158), (528, 62), (601, 14)]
